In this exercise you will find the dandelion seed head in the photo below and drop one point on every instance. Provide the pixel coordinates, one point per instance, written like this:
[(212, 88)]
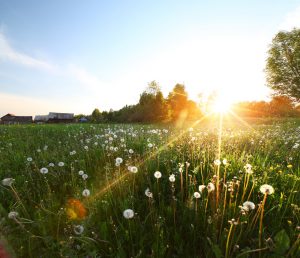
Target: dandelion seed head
[(133, 169), (86, 192), (128, 214), (13, 215), (78, 229), (172, 178), (8, 181), (266, 189), (44, 170), (157, 174), (197, 195)]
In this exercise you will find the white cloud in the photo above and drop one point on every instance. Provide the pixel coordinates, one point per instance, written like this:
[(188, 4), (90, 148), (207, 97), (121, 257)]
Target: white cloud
[(291, 20), (85, 78), (8, 53)]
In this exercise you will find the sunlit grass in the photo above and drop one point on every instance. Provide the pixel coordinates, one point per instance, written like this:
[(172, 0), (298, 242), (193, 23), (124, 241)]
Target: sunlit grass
[(101, 193)]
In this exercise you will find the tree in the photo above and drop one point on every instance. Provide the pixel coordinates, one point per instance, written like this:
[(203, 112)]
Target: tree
[(152, 106), (283, 64), (282, 106), (178, 100), (96, 116)]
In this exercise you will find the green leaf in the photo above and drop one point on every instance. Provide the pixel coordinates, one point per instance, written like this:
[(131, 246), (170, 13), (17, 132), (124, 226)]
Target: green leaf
[(282, 242), (217, 251)]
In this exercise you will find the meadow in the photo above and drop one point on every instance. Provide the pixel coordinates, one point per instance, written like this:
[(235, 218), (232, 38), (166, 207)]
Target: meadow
[(89, 190)]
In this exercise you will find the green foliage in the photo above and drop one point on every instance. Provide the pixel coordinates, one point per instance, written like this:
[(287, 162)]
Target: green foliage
[(96, 116), (282, 242), (283, 64)]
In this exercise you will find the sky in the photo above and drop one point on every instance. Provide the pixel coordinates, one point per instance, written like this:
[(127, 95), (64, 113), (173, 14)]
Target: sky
[(74, 56)]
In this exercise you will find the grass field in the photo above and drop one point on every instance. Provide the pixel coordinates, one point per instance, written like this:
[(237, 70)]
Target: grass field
[(151, 191)]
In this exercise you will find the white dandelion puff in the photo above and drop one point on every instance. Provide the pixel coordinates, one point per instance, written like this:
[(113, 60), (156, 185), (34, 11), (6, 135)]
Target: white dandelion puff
[(13, 215), (128, 214), (78, 229), (86, 193), (172, 178), (44, 170), (8, 181), (157, 174), (266, 189), (197, 195)]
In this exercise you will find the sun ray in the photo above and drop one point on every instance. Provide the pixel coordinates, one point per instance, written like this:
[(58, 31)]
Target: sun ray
[(124, 171)]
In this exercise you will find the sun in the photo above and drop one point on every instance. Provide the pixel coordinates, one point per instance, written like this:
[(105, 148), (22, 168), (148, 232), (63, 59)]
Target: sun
[(221, 106)]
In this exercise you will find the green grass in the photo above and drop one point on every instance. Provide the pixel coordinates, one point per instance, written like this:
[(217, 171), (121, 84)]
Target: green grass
[(173, 223)]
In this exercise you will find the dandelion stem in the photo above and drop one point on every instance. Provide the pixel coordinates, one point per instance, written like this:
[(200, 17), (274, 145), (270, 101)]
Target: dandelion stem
[(228, 241), (261, 221)]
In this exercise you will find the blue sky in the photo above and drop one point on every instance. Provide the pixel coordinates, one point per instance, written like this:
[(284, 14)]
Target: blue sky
[(74, 56)]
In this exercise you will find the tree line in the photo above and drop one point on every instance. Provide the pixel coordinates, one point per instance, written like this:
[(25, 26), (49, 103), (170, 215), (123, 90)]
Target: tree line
[(154, 108), (282, 74)]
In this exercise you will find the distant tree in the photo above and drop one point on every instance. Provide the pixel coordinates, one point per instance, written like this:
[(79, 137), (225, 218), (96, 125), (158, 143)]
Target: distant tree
[(96, 116), (177, 100), (152, 106), (283, 64), (282, 106)]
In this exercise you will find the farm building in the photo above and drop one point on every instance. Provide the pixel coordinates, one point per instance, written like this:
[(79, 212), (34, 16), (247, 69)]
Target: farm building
[(13, 119), (41, 118), (53, 117)]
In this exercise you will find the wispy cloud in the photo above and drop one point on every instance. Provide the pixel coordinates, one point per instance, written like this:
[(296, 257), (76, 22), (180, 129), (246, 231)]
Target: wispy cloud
[(8, 53), (85, 78), (291, 20)]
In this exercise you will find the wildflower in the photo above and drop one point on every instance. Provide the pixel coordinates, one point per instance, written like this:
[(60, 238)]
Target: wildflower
[(150, 145), (148, 193), (157, 174), (197, 195), (13, 215), (289, 166), (248, 206), (7, 181), (128, 214), (133, 169), (86, 192), (72, 153), (233, 221), (266, 189), (201, 188), (29, 159), (44, 170), (217, 162), (225, 162), (172, 178), (80, 172), (131, 151), (78, 229), (51, 164), (61, 164), (119, 160), (85, 176), (248, 169), (210, 187)]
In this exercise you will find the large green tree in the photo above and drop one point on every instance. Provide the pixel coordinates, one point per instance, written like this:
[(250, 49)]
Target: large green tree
[(283, 64), (152, 106), (96, 116), (178, 99)]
